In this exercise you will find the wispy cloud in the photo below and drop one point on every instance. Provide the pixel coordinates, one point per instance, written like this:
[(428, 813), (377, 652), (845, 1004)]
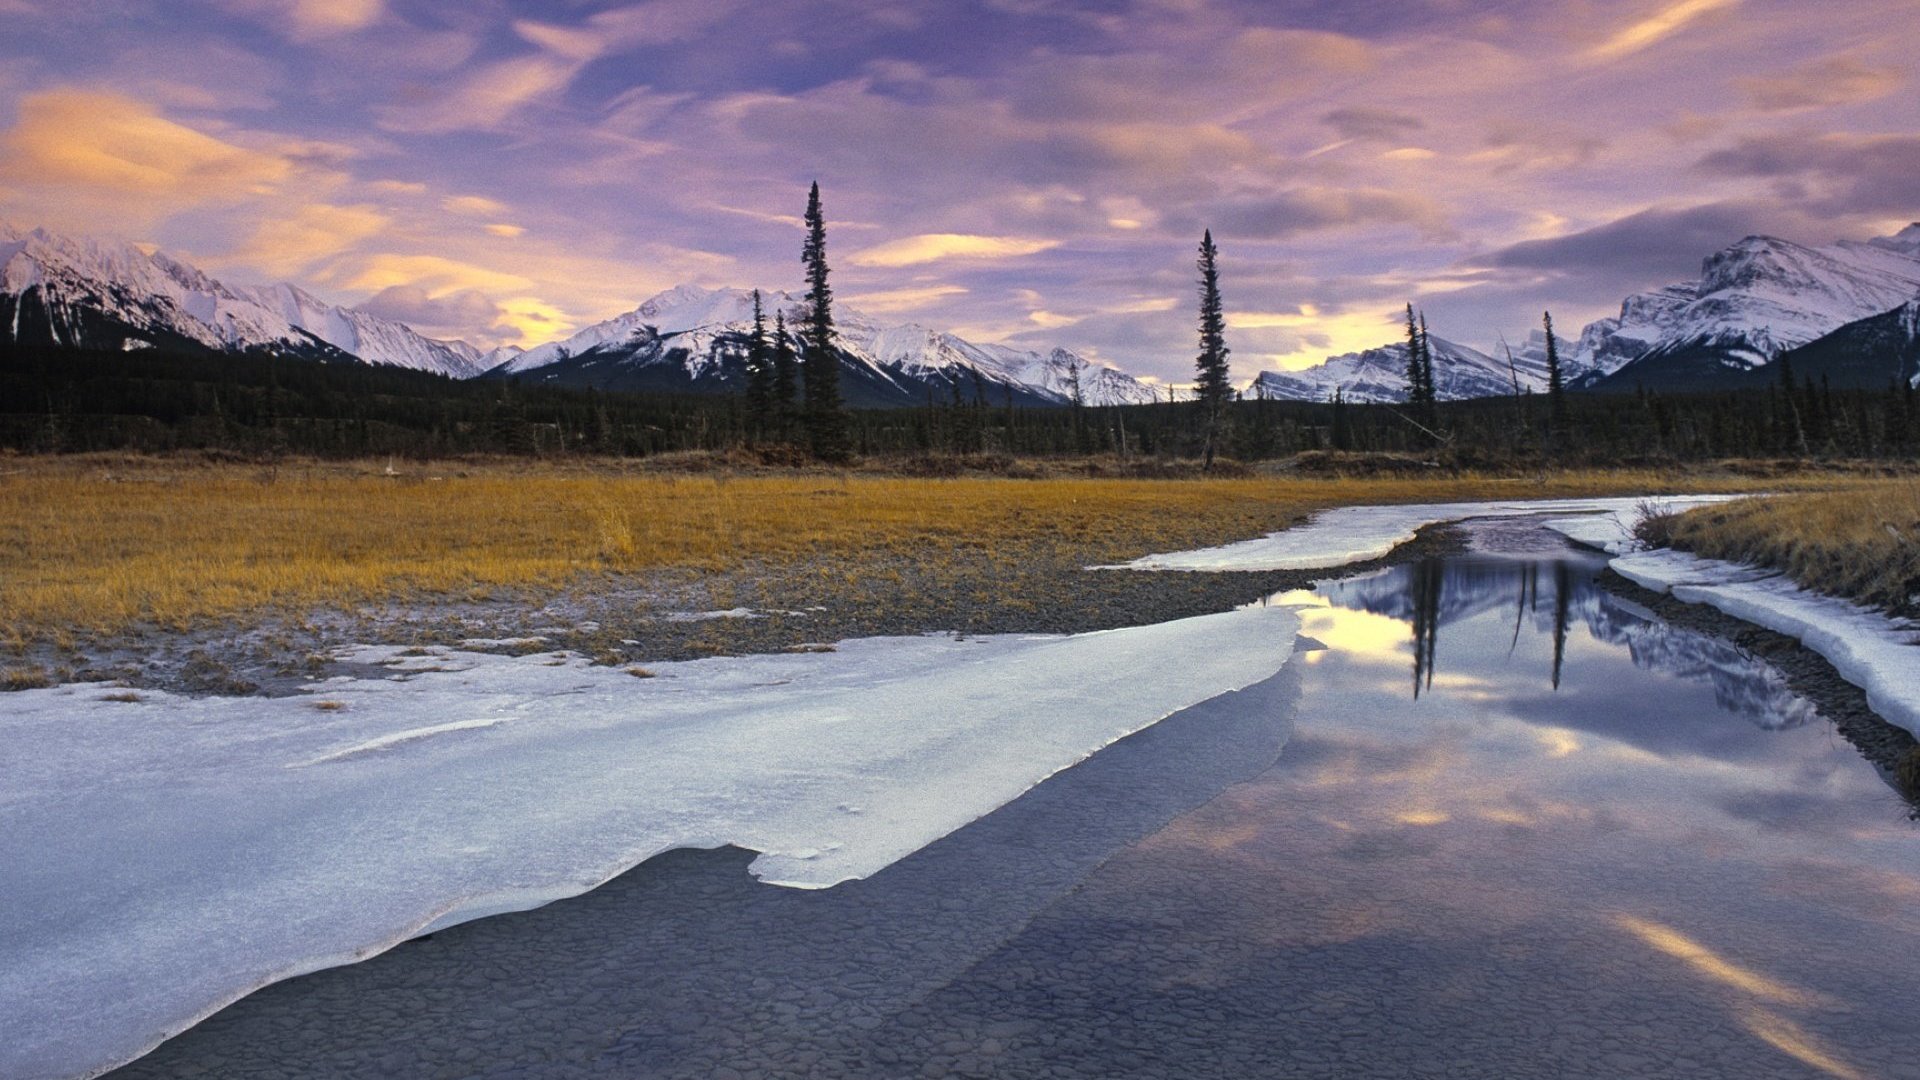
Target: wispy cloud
[(892, 301), (938, 247), (1824, 83), (309, 19), (1655, 28), (286, 245)]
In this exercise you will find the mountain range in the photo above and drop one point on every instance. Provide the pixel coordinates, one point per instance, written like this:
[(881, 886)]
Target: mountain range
[(1753, 301), (690, 338), (1845, 312), (1380, 375), (97, 294)]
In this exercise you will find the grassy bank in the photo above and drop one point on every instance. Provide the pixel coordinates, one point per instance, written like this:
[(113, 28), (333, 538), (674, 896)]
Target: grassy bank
[(102, 544), (1862, 542)]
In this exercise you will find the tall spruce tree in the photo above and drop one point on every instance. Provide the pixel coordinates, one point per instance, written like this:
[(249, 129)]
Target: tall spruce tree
[(1432, 391), (759, 375), (826, 417), (1419, 373), (786, 390), (1211, 385), (1414, 392), (1556, 381)]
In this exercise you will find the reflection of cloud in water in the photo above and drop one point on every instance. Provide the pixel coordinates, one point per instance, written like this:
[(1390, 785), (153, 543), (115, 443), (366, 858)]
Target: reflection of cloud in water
[(1706, 962), (1421, 599), (1750, 988)]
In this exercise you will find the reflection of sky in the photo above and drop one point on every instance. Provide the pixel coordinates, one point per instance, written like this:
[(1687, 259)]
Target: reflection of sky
[(1628, 822)]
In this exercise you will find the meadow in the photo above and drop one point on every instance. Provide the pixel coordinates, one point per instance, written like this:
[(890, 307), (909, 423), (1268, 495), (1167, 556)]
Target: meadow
[(99, 544), (1860, 542)]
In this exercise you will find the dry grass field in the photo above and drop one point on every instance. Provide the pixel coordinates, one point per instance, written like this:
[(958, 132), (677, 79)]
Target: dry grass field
[(1861, 542), (101, 544)]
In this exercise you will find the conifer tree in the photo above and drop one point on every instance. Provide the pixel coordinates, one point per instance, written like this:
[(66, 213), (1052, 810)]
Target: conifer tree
[(1211, 386), (1419, 373), (1556, 382), (826, 417), (1414, 393), (786, 393), (759, 375), (1426, 375)]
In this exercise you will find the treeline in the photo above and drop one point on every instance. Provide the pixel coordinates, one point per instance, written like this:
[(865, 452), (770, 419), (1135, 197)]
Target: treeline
[(63, 401)]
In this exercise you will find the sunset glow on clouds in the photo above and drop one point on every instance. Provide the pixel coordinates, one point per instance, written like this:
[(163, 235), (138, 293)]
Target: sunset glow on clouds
[(1038, 172)]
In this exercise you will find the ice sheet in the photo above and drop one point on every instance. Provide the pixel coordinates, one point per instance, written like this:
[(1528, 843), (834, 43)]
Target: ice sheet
[(1871, 650), (160, 858), (1352, 534)]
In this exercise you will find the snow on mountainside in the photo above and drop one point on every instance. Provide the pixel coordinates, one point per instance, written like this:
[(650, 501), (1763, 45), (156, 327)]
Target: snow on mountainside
[(1753, 301), (1868, 354), (692, 338), (1380, 375), (90, 293)]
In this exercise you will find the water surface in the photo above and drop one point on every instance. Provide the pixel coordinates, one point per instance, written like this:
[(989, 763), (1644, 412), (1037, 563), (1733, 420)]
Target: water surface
[(1494, 822)]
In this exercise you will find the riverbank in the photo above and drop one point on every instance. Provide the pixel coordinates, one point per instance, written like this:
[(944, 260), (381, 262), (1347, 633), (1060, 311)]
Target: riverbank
[(222, 577), (1862, 544)]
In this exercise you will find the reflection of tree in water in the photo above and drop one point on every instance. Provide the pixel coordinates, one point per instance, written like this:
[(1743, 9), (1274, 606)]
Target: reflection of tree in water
[(1427, 586), (1562, 592), (1439, 592)]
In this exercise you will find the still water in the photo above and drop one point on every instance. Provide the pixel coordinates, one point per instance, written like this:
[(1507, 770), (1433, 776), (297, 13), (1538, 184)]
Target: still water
[(1492, 822)]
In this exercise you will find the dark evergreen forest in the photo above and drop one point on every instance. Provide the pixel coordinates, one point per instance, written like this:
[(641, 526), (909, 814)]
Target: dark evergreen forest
[(66, 401)]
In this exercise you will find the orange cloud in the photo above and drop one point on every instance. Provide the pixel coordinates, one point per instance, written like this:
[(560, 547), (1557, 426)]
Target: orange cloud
[(303, 19), (894, 300), (436, 274), (287, 245), (933, 247), (477, 205), (110, 144), (1656, 28), (1836, 80)]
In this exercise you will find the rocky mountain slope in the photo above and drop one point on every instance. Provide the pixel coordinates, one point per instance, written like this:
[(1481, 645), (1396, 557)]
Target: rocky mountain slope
[(694, 339), (1753, 301), (88, 293)]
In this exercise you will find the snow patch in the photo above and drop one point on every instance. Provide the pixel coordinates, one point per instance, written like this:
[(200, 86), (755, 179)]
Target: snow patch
[(159, 859)]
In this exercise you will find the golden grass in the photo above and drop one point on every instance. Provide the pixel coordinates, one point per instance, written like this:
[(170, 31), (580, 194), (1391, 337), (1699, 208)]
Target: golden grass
[(1862, 542), (102, 544)]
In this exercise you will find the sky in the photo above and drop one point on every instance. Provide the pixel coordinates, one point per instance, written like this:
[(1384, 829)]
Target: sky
[(1024, 171)]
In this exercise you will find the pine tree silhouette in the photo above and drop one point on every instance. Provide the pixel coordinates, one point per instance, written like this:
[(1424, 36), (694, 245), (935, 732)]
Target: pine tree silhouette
[(1212, 386), (826, 417), (1556, 383), (759, 375), (786, 393)]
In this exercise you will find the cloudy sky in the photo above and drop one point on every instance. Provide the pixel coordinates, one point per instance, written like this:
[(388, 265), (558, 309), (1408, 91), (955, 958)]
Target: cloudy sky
[(1021, 170)]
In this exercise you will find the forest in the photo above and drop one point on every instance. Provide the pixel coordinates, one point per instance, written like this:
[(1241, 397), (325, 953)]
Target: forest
[(68, 401)]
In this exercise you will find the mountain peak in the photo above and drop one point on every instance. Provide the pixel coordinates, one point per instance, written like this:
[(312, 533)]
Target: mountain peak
[(687, 337), (1906, 241), (105, 293)]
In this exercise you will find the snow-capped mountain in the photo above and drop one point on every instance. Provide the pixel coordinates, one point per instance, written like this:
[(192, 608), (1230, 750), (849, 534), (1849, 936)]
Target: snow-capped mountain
[(1380, 375), (1753, 301), (692, 339), (1870, 354), (100, 294)]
